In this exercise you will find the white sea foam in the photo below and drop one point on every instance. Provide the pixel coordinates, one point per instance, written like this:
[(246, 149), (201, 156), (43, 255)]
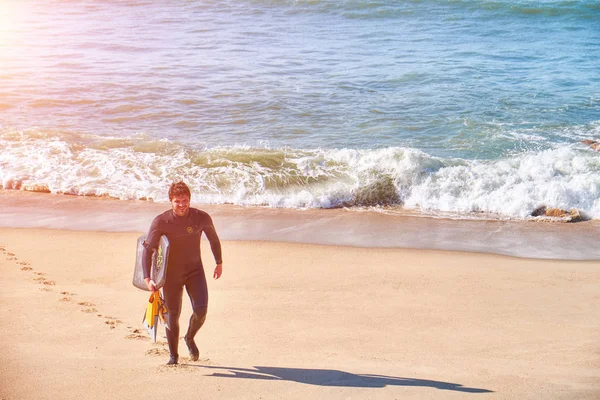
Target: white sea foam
[(567, 177), (564, 178)]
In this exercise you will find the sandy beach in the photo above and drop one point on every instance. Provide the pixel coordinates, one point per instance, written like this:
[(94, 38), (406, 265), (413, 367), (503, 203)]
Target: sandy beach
[(297, 321)]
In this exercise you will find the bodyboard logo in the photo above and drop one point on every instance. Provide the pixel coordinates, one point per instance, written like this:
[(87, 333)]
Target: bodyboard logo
[(159, 258), (190, 229)]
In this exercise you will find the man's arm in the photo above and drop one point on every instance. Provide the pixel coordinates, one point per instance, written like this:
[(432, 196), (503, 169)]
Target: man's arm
[(215, 247), (150, 245)]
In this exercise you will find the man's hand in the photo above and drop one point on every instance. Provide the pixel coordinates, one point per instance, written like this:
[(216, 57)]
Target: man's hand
[(151, 285), (218, 271)]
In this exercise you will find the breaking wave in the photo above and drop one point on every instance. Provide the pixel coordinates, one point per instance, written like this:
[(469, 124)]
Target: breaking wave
[(139, 167)]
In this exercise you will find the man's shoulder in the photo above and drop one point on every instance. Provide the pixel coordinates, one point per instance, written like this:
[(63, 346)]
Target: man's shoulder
[(167, 215), (197, 213)]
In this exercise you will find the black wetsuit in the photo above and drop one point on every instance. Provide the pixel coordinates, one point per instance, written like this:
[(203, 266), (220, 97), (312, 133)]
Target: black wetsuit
[(184, 267)]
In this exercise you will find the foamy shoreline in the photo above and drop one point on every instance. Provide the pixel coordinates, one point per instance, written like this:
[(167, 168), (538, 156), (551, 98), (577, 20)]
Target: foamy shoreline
[(527, 239)]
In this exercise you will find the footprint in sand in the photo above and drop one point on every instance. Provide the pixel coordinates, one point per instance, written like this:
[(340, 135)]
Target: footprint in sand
[(23, 263), (140, 334), (177, 368), (43, 280), (157, 352), (137, 336), (90, 307), (66, 296), (112, 322), (183, 367), (26, 269), (46, 289)]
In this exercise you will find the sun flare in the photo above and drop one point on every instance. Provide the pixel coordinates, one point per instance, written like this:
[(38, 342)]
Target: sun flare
[(10, 14)]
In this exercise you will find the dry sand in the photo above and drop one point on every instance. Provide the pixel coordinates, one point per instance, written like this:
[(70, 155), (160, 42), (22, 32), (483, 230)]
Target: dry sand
[(299, 321)]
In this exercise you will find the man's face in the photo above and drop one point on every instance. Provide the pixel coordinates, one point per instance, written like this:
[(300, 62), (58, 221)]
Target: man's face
[(181, 205)]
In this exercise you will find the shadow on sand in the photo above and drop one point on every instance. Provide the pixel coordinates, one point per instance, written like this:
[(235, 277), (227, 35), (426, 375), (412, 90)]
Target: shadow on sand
[(331, 377)]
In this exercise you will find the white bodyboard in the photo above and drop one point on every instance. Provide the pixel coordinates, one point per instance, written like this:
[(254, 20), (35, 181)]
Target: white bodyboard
[(158, 271)]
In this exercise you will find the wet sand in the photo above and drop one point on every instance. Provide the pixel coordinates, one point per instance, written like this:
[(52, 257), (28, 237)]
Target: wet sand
[(394, 229)]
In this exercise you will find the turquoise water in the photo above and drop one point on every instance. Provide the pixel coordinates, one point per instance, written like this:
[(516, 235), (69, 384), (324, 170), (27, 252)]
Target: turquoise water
[(459, 107)]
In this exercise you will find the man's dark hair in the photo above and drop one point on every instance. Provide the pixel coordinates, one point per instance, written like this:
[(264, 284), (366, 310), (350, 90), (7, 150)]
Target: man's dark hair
[(179, 189)]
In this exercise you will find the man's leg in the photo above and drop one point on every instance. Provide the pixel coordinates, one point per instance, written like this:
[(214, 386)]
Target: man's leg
[(198, 291), (196, 321), (173, 295)]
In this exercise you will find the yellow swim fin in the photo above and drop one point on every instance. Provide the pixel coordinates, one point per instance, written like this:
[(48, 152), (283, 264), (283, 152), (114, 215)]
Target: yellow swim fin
[(155, 311)]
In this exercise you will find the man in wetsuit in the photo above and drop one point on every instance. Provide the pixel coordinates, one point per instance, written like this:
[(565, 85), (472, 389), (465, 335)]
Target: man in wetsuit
[(183, 226)]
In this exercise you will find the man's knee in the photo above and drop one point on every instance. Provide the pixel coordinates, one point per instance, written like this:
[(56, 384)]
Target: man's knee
[(200, 313)]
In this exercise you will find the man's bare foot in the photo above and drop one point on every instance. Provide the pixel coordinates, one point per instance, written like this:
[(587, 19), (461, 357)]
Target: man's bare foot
[(173, 360), (194, 352)]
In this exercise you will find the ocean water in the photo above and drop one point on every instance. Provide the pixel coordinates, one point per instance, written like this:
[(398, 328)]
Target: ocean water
[(458, 108)]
